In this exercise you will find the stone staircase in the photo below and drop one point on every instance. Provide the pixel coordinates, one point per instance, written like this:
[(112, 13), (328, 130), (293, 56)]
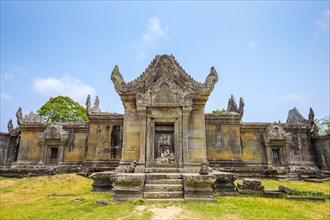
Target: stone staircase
[(163, 183)]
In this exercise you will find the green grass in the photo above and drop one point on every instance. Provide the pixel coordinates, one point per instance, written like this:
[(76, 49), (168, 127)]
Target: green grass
[(27, 198)]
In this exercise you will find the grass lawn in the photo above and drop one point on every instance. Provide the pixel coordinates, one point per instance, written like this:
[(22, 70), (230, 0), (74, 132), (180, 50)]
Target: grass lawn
[(28, 198)]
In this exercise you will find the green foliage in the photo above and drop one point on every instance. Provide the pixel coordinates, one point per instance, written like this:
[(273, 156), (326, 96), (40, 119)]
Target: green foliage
[(323, 124), (62, 109), (218, 111)]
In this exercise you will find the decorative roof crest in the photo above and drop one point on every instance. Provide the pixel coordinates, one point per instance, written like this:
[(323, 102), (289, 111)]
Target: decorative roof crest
[(166, 66)]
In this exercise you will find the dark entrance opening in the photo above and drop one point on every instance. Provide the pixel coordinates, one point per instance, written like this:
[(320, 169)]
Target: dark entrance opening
[(53, 154), (164, 143), (115, 140)]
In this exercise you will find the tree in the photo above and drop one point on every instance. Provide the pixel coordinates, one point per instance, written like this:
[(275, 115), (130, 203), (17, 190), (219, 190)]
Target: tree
[(218, 111), (62, 109), (324, 125)]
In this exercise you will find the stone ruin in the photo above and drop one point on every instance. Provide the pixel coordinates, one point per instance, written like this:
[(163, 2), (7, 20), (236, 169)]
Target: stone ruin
[(165, 145)]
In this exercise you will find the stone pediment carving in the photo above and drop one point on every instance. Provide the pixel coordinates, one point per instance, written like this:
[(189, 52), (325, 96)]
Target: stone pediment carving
[(294, 117), (165, 92), (275, 132), (164, 73), (54, 132), (33, 118)]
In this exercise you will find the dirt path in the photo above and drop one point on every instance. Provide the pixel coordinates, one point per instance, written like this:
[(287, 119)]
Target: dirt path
[(166, 213)]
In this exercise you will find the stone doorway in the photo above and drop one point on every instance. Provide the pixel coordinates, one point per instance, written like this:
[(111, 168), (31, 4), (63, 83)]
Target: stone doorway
[(164, 152)]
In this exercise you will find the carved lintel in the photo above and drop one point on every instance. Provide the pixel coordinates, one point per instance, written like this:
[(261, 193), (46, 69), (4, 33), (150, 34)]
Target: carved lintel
[(164, 112)]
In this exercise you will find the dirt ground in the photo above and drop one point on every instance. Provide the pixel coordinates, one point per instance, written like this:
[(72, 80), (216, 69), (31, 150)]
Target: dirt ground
[(166, 213)]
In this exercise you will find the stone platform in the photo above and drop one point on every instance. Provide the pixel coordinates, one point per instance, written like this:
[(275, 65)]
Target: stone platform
[(166, 184)]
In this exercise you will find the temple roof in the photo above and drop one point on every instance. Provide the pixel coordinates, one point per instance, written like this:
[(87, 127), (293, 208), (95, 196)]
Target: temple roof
[(163, 68), (294, 117)]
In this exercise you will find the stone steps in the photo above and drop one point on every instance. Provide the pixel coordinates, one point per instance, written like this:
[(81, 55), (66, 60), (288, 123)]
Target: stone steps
[(163, 186), (157, 176), (164, 181), (163, 170), (163, 195)]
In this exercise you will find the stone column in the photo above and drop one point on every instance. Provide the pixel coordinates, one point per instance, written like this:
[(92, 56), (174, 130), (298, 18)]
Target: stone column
[(178, 141), (143, 126), (185, 136), (149, 138)]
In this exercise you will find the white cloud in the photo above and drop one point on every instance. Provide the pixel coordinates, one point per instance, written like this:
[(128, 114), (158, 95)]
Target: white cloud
[(154, 33), (14, 72), (66, 86), (4, 96), (251, 45), (322, 23), (301, 99)]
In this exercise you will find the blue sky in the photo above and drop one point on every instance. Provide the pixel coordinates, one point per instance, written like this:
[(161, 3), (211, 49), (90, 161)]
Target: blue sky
[(274, 54)]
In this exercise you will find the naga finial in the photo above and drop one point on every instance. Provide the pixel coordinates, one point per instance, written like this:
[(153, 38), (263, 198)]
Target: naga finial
[(211, 79), (118, 80), (19, 116), (241, 106), (88, 104)]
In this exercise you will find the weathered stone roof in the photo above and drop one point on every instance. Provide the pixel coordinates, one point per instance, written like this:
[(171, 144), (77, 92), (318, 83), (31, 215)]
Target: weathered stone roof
[(294, 117), (163, 66)]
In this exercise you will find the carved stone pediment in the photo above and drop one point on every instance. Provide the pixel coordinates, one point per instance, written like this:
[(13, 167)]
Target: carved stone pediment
[(54, 132), (294, 117), (275, 132), (165, 91), (164, 73), (33, 118)]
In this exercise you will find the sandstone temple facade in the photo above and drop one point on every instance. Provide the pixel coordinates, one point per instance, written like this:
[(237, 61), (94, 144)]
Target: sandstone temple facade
[(164, 125)]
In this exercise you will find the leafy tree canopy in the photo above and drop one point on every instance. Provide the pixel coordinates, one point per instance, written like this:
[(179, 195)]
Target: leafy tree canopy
[(218, 111), (62, 109), (324, 125)]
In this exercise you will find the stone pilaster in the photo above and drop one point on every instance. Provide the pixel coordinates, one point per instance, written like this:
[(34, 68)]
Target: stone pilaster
[(143, 129)]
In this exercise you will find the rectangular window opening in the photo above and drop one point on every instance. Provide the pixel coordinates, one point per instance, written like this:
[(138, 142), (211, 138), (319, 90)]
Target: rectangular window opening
[(276, 155), (53, 153)]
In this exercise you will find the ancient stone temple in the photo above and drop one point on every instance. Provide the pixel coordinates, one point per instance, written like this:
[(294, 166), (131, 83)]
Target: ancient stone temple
[(165, 137), (164, 120)]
